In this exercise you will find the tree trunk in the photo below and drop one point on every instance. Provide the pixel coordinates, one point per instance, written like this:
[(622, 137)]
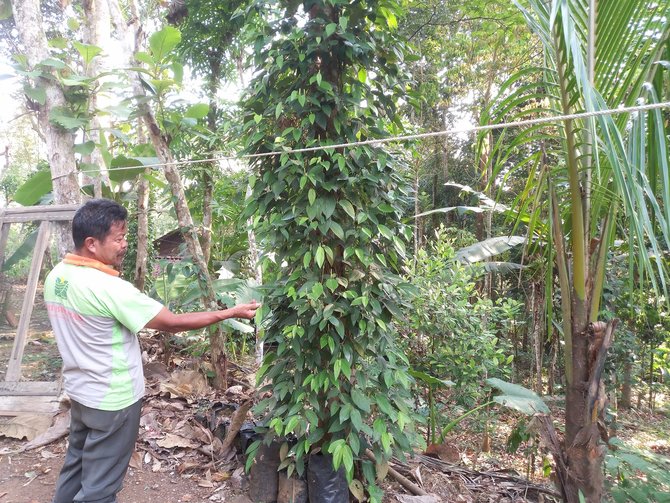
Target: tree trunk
[(651, 378), (184, 219), (417, 208), (142, 243), (207, 196), (585, 404), (538, 335), (97, 33), (552, 365), (59, 142), (626, 387)]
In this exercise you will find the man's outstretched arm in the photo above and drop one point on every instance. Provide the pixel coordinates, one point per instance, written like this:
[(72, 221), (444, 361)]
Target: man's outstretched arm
[(167, 321)]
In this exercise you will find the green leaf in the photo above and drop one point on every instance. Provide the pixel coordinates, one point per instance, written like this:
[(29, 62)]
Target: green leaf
[(330, 29), (517, 397), (348, 208), (125, 168), (145, 57), (360, 400), (65, 119), (84, 148), (311, 195), (429, 379), (164, 41), (488, 248), (362, 75), (197, 111), (177, 72), (320, 256), (53, 63), (34, 189), (87, 51), (24, 250), (5, 9), (37, 94)]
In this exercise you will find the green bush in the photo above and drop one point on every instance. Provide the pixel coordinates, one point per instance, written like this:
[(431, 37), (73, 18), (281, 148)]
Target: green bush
[(454, 333)]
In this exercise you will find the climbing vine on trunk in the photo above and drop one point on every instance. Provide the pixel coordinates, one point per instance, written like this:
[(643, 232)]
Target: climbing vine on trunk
[(332, 219)]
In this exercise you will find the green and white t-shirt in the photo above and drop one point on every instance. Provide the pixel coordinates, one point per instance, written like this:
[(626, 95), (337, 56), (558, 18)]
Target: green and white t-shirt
[(95, 317)]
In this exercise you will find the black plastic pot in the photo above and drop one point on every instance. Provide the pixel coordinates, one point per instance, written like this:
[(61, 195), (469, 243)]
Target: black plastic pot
[(291, 489), (263, 476), (325, 485)]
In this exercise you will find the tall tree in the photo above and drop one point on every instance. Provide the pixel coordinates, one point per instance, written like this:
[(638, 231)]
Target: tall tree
[(332, 217), (600, 170), (160, 60), (49, 97), (211, 47)]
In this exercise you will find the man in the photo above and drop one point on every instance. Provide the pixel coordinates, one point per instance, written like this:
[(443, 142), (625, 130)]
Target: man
[(95, 316)]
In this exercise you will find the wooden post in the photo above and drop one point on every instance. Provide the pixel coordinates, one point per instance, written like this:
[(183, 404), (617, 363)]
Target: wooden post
[(14, 367)]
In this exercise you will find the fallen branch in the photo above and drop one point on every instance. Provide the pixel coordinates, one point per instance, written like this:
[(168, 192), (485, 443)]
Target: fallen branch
[(524, 485), (401, 479), (236, 421)]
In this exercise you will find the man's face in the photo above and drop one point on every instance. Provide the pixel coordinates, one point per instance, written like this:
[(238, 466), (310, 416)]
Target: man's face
[(112, 248)]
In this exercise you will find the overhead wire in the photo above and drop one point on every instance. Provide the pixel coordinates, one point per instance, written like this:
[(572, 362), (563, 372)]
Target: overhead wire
[(398, 138)]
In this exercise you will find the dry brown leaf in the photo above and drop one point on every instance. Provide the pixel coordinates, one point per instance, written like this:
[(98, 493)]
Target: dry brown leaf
[(187, 465), (217, 445), (417, 475), (187, 383), (136, 461), (187, 497), (357, 489), (156, 466), (205, 483), (47, 454), (445, 452), (202, 434), (172, 440), (27, 426), (220, 476)]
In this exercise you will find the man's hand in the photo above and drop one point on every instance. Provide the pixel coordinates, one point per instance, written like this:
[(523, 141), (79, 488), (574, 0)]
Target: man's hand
[(246, 311), (167, 321)]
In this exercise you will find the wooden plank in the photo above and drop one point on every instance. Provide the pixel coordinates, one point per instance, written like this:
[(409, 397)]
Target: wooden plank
[(16, 405), (30, 388), (14, 366), (53, 212)]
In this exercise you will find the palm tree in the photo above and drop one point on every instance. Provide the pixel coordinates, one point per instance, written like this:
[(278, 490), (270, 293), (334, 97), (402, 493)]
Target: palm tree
[(589, 175)]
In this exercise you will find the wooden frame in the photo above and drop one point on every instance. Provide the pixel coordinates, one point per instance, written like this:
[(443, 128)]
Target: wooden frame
[(16, 396)]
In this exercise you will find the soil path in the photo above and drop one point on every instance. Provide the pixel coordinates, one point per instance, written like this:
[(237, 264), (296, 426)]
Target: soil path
[(31, 477)]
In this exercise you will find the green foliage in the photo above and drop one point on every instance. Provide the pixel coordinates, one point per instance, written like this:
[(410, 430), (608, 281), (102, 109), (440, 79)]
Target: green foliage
[(34, 188), (332, 219), (517, 397), (454, 330), (638, 475), (21, 256)]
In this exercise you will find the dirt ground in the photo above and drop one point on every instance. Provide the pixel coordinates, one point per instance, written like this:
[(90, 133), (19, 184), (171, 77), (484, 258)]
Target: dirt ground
[(30, 478)]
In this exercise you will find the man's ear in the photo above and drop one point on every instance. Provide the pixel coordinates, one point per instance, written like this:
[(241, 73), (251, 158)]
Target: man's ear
[(90, 244)]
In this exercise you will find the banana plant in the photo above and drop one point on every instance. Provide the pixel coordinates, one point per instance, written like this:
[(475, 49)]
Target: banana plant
[(586, 176)]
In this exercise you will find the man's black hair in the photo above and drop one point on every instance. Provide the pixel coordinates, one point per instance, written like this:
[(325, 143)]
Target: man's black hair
[(95, 219)]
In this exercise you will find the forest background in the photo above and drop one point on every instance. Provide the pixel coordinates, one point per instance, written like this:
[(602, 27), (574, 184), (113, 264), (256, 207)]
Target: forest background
[(405, 283)]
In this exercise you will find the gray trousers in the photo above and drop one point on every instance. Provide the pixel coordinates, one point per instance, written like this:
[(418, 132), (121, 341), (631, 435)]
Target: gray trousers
[(101, 443)]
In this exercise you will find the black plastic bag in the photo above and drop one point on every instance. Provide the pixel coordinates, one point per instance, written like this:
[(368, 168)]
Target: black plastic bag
[(263, 476), (325, 485)]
